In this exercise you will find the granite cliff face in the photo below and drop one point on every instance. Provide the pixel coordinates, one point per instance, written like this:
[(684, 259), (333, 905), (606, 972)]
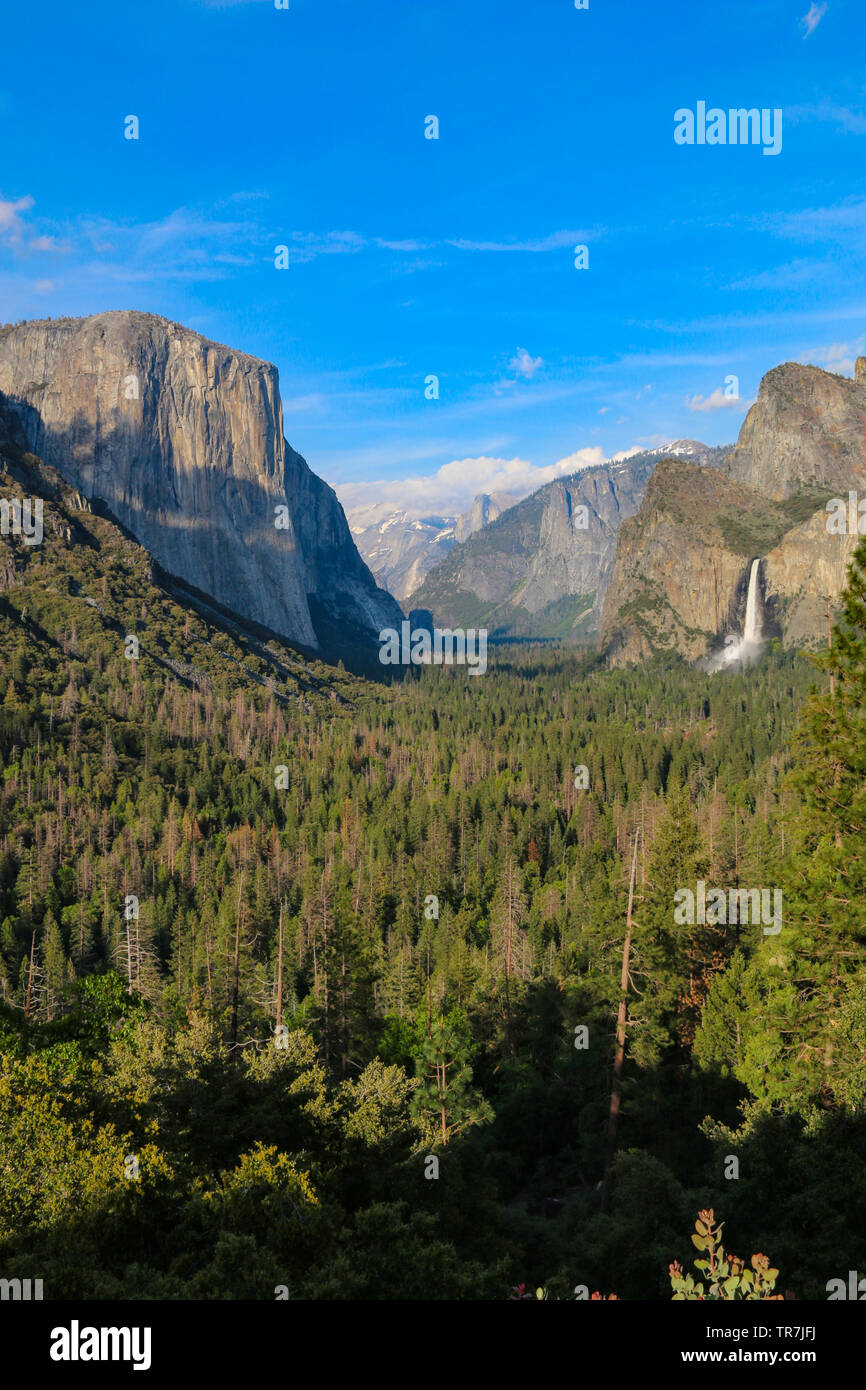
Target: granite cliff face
[(799, 574), (182, 440), (676, 575), (577, 535), (806, 429), (85, 584), (682, 566)]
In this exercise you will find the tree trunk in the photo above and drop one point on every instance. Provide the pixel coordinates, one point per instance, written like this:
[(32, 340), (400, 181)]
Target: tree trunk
[(280, 975), (237, 963), (616, 1087), (29, 978)]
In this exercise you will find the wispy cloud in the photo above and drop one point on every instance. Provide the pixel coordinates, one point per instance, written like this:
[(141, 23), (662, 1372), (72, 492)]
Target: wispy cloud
[(789, 276), (306, 246), (810, 21), (187, 245), (673, 359), (313, 402), (209, 243), (835, 357), (325, 243), (844, 223), (743, 323), (842, 116), (15, 231), (556, 241), (407, 244)]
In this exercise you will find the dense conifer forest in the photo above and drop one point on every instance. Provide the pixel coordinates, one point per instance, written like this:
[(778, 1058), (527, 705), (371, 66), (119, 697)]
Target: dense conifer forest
[(310, 986)]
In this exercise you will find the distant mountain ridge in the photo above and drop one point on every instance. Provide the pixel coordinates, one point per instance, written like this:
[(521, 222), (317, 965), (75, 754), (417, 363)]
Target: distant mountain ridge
[(680, 448), (400, 549), (537, 571)]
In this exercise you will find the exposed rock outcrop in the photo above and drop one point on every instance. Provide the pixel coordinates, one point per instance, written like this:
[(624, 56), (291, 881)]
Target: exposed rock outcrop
[(682, 563), (806, 568), (182, 440), (677, 572), (486, 507), (807, 429)]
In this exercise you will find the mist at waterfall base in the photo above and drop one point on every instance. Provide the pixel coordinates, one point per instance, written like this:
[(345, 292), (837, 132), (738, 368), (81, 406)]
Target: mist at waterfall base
[(745, 649)]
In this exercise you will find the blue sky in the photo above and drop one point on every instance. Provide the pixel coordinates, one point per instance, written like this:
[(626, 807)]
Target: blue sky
[(453, 257)]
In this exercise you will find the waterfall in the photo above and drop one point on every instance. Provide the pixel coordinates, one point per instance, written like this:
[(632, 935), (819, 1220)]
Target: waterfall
[(745, 649), (752, 630)]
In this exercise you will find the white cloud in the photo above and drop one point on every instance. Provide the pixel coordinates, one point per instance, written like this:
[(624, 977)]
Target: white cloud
[(836, 357), (525, 364), (810, 21), (590, 457), (11, 221), (9, 211), (207, 242), (451, 488), (14, 231), (717, 401)]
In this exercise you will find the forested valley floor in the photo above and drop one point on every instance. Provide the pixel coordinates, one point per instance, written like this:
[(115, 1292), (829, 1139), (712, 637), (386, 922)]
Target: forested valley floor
[(318, 994)]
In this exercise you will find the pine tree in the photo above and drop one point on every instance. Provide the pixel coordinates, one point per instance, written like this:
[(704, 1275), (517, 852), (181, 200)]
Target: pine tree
[(445, 1101), (804, 976), (672, 962), (54, 966)]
